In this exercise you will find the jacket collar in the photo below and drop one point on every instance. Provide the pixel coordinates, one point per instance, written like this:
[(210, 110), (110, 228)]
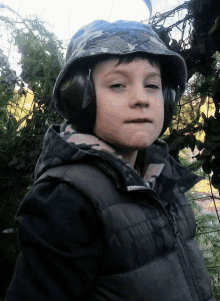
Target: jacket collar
[(159, 171)]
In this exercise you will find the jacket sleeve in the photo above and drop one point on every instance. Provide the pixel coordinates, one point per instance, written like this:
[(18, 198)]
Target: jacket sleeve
[(60, 240)]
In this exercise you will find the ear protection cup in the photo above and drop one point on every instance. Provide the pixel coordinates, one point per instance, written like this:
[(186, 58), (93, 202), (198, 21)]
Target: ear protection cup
[(171, 97), (78, 98)]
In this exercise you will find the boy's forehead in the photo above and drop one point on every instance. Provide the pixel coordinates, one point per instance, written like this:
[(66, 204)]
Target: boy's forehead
[(107, 65), (111, 66)]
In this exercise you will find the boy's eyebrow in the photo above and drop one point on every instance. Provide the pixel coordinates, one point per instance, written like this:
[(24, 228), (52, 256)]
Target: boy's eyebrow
[(151, 74)]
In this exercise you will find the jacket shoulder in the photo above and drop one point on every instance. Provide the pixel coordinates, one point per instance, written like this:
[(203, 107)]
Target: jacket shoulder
[(89, 180)]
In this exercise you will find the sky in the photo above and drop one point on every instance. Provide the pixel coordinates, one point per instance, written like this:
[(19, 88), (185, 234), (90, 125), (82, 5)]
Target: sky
[(66, 17)]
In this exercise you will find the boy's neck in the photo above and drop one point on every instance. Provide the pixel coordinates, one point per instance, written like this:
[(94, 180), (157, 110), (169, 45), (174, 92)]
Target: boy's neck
[(129, 155)]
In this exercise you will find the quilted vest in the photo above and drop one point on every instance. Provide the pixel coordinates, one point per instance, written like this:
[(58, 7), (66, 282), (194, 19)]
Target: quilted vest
[(150, 251)]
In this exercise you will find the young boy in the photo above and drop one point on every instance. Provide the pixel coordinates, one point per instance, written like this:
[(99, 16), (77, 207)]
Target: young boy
[(107, 217)]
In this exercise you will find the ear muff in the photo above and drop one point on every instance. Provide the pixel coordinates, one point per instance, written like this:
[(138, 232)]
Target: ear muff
[(171, 97), (78, 98)]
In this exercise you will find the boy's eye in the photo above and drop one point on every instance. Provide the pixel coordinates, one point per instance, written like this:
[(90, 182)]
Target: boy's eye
[(152, 86), (116, 86)]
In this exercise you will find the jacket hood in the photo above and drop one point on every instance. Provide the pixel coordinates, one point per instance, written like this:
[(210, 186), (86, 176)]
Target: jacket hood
[(63, 145), (118, 38)]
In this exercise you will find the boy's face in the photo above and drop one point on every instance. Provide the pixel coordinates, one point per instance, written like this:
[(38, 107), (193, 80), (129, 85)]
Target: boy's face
[(126, 92)]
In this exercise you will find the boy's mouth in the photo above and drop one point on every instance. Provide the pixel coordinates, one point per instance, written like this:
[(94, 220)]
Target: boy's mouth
[(139, 120)]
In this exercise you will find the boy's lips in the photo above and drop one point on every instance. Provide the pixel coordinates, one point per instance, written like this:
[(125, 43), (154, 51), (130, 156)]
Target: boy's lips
[(139, 120)]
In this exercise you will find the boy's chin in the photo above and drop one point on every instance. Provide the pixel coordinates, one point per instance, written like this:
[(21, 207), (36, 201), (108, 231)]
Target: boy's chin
[(131, 143), (139, 145), (131, 146)]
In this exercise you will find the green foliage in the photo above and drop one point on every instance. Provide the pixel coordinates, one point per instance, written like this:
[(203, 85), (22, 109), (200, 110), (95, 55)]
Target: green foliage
[(211, 152), (187, 123), (208, 238), (200, 50), (194, 167), (207, 230), (203, 86), (41, 60), (8, 80)]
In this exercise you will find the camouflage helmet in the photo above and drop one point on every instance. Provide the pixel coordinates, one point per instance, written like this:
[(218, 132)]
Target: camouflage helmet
[(119, 38)]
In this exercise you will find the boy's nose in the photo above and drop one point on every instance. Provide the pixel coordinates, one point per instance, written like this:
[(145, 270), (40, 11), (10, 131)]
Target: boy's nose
[(138, 97)]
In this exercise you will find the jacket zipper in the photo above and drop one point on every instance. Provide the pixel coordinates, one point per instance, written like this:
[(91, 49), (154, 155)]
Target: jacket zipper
[(179, 241), (180, 244), (181, 247)]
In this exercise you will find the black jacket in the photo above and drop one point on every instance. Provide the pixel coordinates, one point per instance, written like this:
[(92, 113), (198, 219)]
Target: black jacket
[(92, 228)]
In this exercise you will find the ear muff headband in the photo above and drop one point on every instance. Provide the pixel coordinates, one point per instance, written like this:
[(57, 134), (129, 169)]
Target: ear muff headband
[(78, 98)]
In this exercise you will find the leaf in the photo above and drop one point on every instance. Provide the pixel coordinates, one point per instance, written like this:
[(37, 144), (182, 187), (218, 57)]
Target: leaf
[(216, 152), (149, 5), (217, 115), (215, 166), (215, 25), (214, 124), (206, 153), (190, 141), (215, 138), (203, 116), (33, 154), (203, 158), (176, 143), (211, 146), (199, 144), (8, 231), (13, 162), (206, 166), (216, 180)]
